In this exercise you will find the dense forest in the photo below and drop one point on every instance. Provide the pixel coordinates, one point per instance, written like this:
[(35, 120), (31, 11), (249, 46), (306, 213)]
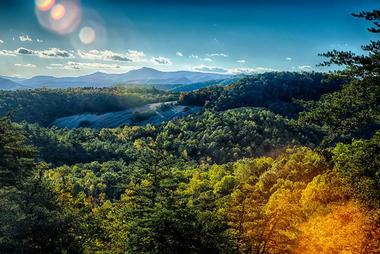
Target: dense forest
[(44, 105), (277, 91), (274, 163)]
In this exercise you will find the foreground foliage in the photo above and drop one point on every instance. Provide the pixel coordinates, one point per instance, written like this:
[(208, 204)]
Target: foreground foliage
[(297, 201)]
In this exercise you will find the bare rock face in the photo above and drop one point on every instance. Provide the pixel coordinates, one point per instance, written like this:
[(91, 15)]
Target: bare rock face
[(154, 113)]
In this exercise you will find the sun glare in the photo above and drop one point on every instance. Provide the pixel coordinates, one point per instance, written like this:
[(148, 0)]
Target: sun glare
[(87, 35), (62, 17), (58, 12), (44, 5)]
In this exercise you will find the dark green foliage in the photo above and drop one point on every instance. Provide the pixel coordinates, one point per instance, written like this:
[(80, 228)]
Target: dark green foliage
[(196, 86), (63, 146), (201, 97), (275, 91), (31, 220), (155, 217), (178, 230), (16, 158), (359, 162), (138, 117), (373, 16), (230, 135), (211, 137), (43, 106), (346, 111), (357, 104), (84, 124), (109, 178)]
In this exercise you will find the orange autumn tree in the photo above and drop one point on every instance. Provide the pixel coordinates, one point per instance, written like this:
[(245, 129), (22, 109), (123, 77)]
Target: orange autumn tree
[(348, 228), (299, 204)]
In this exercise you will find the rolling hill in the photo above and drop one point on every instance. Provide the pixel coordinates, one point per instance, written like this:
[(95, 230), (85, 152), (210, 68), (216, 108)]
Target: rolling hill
[(7, 84)]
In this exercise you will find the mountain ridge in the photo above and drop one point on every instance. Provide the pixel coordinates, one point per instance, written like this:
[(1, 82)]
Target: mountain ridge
[(142, 76), (8, 84)]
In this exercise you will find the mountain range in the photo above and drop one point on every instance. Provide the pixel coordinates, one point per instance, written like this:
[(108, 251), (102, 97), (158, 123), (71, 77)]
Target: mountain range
[(144, 77)]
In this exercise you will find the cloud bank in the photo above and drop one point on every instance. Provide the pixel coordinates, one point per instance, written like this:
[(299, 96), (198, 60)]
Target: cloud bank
[(161, 60)]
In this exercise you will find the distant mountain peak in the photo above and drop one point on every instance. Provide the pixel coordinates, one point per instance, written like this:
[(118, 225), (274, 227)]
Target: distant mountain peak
[(146, 69), (98, 73)]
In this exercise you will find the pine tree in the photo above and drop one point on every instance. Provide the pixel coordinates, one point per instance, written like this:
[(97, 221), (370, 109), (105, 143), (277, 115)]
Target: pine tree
[(357, 103)]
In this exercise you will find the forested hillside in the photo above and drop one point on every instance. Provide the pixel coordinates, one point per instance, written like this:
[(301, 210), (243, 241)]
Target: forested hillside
[(44, 105), (210, 137), (268, 166), (277, 91)]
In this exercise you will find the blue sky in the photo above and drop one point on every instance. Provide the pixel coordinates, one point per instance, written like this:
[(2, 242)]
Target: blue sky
[(39, 38)]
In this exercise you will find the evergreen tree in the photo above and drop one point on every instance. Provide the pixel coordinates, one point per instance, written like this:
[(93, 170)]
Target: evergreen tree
[(31, 221), (357, 104)]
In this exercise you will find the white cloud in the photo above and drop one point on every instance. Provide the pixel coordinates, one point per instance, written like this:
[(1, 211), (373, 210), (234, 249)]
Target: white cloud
[(53, 53), (78, 66), (205, 68), (135, 55), (103, 55), (24, 37), (1, 41), (217, 54), (179, 54), (305, 68), (250, 70), (26, 65), (7, 53), (288, 59), (89, 66), (53, 66), (39, 40), (206, 59), (108, 55), (47, 53), (241, 61), (161, 60)]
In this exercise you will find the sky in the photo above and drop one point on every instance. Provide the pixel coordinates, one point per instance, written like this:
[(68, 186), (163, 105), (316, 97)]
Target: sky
[(72, 37)]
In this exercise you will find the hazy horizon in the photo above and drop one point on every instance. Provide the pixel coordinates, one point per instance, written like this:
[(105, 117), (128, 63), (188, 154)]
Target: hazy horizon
[(111, 73)]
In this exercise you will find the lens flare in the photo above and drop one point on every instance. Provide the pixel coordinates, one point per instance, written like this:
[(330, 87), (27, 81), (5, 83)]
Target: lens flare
[(62, 18), (58, 12), (87, 35), (44, 5)]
